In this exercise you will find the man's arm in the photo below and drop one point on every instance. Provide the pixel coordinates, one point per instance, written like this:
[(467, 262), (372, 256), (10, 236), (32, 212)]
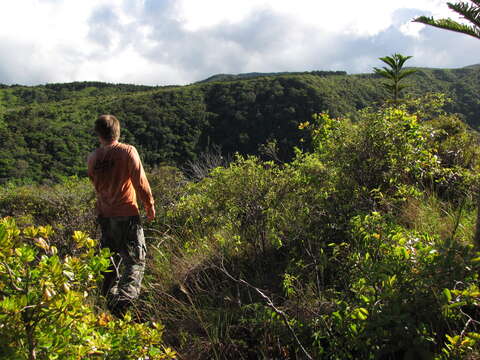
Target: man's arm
[(90, 162), (141, 185)]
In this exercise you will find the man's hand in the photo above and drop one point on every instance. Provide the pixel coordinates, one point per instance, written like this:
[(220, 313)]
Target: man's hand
[(150, 214)]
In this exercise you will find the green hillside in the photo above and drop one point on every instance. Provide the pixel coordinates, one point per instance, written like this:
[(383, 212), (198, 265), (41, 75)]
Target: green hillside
[(231, 77), (45, 131), (361, 248)]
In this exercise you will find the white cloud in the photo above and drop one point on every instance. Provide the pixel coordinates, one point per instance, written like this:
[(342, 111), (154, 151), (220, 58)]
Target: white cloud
[(181, 41), (353, 17)]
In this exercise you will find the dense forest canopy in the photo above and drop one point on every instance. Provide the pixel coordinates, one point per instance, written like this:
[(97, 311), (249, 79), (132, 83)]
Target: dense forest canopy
[(360, 248), (45, 131), (346, 225), (341, 229)]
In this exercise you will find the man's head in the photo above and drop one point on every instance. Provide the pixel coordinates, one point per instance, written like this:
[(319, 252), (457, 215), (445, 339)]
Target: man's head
[(107, 127)]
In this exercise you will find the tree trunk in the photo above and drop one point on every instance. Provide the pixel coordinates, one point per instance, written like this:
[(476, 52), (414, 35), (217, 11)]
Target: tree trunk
[(29, 329)]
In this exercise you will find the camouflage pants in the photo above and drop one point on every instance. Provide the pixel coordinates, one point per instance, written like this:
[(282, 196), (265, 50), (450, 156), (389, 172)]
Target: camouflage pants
[(123, 235)]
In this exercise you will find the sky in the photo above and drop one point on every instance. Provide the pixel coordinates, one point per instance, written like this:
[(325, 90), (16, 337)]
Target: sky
[(177, 42)]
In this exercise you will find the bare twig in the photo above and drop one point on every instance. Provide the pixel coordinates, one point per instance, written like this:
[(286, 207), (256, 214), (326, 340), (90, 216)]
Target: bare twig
[(469, 321), (11, 278), (163, 233), (205, 162), (116, 266), (271, 305)]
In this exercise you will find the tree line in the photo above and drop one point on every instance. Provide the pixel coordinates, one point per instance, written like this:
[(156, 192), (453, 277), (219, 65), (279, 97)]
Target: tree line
[(45, 131)]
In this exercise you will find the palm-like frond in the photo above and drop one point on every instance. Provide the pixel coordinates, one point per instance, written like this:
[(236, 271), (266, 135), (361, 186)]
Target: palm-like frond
[(470, 12), (384, 72), (467, 11), (405, 73), (449, 24), (394, 73), (395, 61)]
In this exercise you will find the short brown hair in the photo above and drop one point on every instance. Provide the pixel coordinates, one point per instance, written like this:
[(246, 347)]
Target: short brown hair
[(107, 127)]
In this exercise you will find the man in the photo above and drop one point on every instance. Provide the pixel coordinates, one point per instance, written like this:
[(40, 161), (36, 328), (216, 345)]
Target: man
[(119, 179)]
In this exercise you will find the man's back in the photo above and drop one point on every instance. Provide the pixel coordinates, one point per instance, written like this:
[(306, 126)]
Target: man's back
[(118, 177)]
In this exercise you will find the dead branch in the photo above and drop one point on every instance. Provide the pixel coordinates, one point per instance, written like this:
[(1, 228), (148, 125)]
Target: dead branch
[(271, 305)]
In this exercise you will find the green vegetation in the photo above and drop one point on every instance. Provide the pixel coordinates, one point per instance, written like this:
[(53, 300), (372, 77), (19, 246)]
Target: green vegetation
[(229, 77), (468, 11), (359, 248), (346, 234), (47, 302), (356, 243), (394, 74), (45, 131)]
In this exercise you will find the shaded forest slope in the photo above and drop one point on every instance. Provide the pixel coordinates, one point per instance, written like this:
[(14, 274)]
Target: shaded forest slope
[(45, 131)]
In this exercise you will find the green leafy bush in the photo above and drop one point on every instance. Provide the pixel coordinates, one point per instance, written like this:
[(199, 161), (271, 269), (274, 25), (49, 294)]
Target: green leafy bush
[(396, 279), (67, 206), (47, 302), (355, 242), (359, 249)]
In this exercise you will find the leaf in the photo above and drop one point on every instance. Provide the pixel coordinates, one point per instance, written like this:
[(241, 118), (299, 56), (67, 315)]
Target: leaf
[(104, 319), (337, 315), (170, 353), (453, 340), (457, 304), (45, 231), (25, 253), (474, 335), (79, 237), (66, 287), (41, 243), (47, 293), (449, 24), (69, 274), (362, 313), (30, 231), (90, 242), (447, 294), (153, 351), (9, 305), (3, 232), (3, 236)]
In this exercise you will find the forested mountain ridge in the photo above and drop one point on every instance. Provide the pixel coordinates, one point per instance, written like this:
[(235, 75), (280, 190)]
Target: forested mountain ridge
[(232, 77), (45, 131), (358, 247)]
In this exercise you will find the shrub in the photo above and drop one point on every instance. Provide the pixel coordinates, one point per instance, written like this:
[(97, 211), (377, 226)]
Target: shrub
[(355, 243), (47, 302), (66, 206)]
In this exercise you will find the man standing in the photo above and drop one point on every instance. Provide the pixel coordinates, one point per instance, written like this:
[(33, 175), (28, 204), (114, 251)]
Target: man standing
[(119, 179)]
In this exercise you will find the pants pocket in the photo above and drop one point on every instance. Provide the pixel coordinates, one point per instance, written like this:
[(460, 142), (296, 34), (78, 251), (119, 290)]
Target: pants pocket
[(136, 242)]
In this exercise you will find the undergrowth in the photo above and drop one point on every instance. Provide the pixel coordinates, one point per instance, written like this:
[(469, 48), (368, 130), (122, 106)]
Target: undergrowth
[(360, 249)]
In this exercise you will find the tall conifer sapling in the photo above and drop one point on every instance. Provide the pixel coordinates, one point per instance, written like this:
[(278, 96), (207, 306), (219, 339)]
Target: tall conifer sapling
[(394, 73)]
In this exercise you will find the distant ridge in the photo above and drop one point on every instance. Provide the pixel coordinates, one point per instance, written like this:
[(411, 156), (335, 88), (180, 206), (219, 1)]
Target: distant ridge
[(233, 77), (475, 66), (252, 75), (45, 130)]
